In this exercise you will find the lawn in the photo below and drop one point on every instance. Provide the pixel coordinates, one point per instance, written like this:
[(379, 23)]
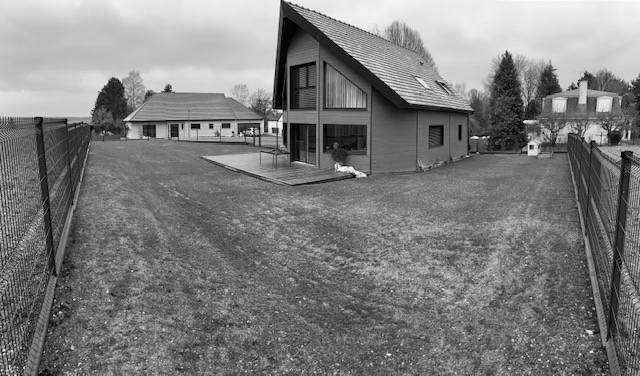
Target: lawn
[(178, 266)]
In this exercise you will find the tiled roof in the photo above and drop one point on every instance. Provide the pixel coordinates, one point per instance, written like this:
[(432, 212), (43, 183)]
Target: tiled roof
[(191, 106), (576, 93), (390, 68)]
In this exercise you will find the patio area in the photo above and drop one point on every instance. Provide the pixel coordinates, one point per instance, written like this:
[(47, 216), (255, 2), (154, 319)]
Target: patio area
[(276, 169)]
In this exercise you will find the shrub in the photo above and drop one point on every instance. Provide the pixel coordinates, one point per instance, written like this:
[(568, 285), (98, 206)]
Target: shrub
[(339, 155), (614, 137)]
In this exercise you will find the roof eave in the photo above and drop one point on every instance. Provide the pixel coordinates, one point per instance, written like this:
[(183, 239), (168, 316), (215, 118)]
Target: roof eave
[(438, 108)]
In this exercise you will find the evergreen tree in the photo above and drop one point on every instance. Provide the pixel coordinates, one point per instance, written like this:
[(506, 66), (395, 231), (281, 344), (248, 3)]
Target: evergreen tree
[(635, 90), (506, 108), (168, 89), (111, 98), (532, 110), (548, 82), (148, 94)]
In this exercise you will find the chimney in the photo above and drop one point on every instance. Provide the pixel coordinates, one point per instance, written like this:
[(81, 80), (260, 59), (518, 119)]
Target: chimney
[(582, 85)]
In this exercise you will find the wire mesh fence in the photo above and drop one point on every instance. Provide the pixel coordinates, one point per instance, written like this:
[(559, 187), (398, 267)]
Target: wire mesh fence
[(41, 162), (608, 193)]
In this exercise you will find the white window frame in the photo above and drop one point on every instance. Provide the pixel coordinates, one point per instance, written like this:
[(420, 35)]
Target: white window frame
[(559, 105), (604, 104), (422, 82)]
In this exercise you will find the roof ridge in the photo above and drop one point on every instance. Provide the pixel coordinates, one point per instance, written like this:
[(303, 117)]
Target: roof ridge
[(355, 27)]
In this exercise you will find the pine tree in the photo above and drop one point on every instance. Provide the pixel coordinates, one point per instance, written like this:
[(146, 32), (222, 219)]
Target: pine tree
[(506, 107), (548, 82), (168, 89), (635, 90), (111, 98)]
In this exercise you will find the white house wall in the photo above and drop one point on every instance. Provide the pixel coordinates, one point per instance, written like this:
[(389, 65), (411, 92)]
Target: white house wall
[(185, 131)]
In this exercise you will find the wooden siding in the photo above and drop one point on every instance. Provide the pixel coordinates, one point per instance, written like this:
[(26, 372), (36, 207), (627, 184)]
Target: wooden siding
[(393, 136), (452, 147)]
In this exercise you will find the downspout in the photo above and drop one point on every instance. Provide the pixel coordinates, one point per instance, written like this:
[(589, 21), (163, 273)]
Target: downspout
[(468, 148), (417, 141), (319, 93), (450, 156), (370, 135)]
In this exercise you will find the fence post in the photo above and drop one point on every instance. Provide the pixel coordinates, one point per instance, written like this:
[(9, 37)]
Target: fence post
[(44, 191), (588, 203), (69, 159), (619, 238)]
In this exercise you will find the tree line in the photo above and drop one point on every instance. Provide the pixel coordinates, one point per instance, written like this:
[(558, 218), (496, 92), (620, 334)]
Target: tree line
[(514, 91)]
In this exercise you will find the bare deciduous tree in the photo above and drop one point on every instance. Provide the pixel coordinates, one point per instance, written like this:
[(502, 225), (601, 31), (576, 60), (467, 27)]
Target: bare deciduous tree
[(401, 34), (240, 92), (261, 103), (134, 90), (580, 122), (551, 126)]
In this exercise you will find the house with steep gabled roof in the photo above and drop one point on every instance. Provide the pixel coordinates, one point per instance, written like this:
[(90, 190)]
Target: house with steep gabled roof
[(341, 86), (190, 116)]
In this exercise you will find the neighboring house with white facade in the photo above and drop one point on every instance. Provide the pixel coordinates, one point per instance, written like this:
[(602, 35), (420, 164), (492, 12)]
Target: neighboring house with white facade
[(274, 125), (190, 116), (581, 106)]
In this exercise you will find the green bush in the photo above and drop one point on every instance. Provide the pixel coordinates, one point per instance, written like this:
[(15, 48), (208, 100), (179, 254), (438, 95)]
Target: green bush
[(614, 137), (339, 155)]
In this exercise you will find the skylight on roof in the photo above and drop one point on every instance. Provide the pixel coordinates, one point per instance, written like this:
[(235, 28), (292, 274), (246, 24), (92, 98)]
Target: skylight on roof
[(445, 87), (422, 82)]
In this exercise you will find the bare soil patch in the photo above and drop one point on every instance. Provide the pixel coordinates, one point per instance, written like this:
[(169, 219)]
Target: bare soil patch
[(177, 266)]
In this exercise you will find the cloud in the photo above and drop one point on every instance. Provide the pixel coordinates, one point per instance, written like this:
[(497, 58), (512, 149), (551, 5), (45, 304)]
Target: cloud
[(70, 48)]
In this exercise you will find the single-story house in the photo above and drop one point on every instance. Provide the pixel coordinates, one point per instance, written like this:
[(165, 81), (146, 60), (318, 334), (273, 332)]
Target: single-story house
[(190, 116), (581, 109), (341, 86)]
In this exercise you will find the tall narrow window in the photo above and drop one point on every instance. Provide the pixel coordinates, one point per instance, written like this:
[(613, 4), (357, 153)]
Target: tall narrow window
[(339, 92), (436, 136), (459, 132), (303, 86)]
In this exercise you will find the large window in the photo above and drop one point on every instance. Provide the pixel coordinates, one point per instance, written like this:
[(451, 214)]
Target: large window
[(226, 125), (195, 126), (436, 136), (350, 137), (303, 86), (341, 93)]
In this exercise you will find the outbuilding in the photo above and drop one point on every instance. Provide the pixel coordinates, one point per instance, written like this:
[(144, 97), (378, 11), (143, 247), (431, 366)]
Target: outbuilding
[(533, 147)]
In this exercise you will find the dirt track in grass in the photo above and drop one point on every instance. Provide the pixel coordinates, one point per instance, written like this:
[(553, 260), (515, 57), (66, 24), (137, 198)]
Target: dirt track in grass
[(178, 266)]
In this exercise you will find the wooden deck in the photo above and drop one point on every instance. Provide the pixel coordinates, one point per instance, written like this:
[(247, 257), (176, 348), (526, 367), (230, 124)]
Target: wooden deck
[(286, 174)]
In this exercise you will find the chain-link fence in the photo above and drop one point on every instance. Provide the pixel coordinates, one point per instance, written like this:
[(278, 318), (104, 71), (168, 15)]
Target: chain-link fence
[(608, 192), (41, 164)]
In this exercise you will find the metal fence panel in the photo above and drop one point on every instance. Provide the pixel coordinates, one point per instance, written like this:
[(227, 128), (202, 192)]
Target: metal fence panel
[(36, 195), (608, 193)]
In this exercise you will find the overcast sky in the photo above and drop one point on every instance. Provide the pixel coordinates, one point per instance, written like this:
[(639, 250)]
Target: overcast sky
[(56, 55)]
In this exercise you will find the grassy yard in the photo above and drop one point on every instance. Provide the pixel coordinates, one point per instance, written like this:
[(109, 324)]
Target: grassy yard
[(178, 266)]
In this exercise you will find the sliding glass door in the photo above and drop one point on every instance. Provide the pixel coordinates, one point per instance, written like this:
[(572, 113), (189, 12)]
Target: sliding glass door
[(304, 136)]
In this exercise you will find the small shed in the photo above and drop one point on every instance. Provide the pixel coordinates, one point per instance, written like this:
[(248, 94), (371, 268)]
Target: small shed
[(533, 148)]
